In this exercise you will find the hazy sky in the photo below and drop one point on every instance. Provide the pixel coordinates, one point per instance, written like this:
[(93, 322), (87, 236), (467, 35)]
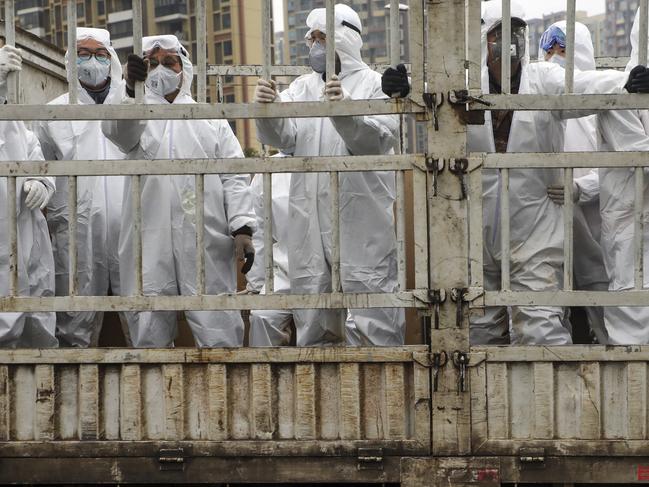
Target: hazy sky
[(534, 8)]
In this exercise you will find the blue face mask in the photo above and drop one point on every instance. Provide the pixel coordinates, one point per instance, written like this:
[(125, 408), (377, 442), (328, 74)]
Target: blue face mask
[(318, 58)]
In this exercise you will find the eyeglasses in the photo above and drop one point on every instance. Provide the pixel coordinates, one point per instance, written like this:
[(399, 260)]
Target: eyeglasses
[(102, 56)]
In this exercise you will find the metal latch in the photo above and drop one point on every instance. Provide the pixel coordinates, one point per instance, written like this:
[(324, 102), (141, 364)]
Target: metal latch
[(532, 457), (171, 459), (459, 99), (370, 459)]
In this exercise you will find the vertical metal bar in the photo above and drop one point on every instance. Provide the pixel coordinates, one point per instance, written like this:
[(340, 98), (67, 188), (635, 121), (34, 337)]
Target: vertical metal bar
[(335, 231), (474, 47), (476, 237), (201, 46), (331, 38), (137, 232), (644, 25), (219, 89), (268, 232), (10, 36), (12, 221), (401, 229), (199, 183), (137, 44), (72, 51), (504, 233), (638, 228), (568, 213), (416, 47), (73, 278), (420, 220), (395, 33), (266, 37), (506, 58), (570, 47)]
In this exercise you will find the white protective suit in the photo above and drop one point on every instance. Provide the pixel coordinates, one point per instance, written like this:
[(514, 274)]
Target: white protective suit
[(35, 259), (536, 223), (168, 218), (271, 328), (624, 130), (581, 136), (99, 204), (367, 235)]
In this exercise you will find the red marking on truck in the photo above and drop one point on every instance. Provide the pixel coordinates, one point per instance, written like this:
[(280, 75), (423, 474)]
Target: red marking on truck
[(643, 473)]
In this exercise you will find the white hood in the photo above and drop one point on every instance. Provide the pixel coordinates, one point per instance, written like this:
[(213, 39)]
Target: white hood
[(584, 52), (348, 41), (116, 82)]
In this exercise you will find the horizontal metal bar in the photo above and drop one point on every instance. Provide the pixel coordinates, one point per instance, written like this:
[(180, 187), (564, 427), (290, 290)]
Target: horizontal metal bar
[(575, 353), (213, 166), (410, 299), (567, 298), (561, 102), (275, 70), (564, 159), (211, 355), (208, 111), (606, 62)]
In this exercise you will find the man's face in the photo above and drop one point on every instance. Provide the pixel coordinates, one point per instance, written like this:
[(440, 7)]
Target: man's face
[(515, 48), (161, 57), (86, 48), (318, 36)]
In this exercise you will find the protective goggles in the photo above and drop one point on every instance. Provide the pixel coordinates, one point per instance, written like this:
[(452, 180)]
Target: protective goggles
[(517, 43), (101, 55)]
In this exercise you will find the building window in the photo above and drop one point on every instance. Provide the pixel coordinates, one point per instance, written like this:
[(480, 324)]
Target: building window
[(227, 48), (121, 29), (226, 21)]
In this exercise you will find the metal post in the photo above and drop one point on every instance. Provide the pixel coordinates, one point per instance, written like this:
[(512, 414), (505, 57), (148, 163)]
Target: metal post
[(568, 213), (199, 183), (268, 232), (504, 234), (73, 279), (638, 228), (13, 236), (201, 54), (10, 35), (474, 47), (335, 232), (331, 39), (506, 58), (72, 51), (417, 47), (395, 30), (570, 47), (137, 45), (266, 38), (644, 25)]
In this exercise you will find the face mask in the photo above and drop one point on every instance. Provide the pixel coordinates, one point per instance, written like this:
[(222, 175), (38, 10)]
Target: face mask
[(92, 73), (318, 58), (163, 80), (560, 60)]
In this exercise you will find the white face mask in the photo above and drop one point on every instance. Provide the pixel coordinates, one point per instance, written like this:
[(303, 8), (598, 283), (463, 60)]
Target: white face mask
[(560, 60), (93, 73), (163, 80)]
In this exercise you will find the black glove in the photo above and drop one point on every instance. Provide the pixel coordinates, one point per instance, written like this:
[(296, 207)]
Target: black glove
[(638, 81), (395, 81), (136, 70), (243, 248)]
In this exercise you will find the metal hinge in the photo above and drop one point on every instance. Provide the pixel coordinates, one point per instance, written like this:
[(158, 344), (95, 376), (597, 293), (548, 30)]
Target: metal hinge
[(532, 457), (171, 459), (370, 459)]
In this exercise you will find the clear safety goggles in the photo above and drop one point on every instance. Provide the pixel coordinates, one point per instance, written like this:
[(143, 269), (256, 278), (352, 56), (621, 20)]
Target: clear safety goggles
[(164, 42), (101, 55)]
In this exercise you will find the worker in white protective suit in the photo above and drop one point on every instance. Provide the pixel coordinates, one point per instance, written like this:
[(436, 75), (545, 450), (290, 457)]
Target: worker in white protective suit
[(271, 328), (581, 136), (624, 130), (367, 229), (168, 205), (99, 198), (35, 259), (536, 223)]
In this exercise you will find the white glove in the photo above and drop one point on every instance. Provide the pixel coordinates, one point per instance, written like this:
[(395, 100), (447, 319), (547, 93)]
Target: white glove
[(11, 59), (37, 194), (265, 92), (333, 90)]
